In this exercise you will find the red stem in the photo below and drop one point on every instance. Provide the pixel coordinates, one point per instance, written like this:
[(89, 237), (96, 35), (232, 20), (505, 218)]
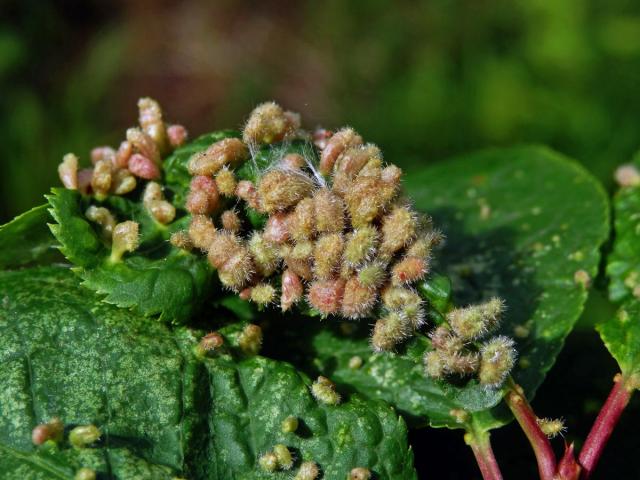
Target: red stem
[(529, 423), (604, 425), (481, 447)]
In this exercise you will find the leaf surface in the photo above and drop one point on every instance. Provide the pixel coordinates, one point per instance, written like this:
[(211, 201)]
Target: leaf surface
[(26, 240), (162, 411), (155, 279), (621, 334)]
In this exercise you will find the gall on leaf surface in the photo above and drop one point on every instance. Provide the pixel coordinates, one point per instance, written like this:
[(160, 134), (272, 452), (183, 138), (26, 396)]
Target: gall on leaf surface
[(621, 334), (162, 412), (519, 223)]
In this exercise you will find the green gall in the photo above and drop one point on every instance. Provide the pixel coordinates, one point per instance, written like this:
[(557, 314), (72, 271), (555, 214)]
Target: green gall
[(355, 362), (475, 321), (268, 462), (372, 275), (434, 364), (398, 230), (461, 416), (123, 182), (282, 453), (263, 294), (265, 254), (289, 424), (226, 182), (102, 217), (269, 123), (250, 340), (181, 240), (551, 427), (407, 302), (327, 255), (497, 357), (308, 471), (324, 390), (162, 211), (84, 435), (232, 259), (359, 473), (101, 179), (361, 245), (389, 331), (125, 238), (373, 169), (85, 473)]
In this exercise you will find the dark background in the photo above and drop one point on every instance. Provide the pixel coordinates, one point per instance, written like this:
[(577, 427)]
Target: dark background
[(424, 80)]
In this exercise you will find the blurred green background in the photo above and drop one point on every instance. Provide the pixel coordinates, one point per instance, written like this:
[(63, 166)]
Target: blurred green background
[(425, 80)]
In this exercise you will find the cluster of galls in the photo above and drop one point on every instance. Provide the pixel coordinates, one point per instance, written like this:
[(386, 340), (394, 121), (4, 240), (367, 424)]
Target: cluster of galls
[(460, 346), (336, 232), (120, 171), (80, 436)]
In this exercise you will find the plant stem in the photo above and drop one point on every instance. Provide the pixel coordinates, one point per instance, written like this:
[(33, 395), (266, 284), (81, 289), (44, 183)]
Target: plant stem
[(481, 447), (604, 425), (529, 423)]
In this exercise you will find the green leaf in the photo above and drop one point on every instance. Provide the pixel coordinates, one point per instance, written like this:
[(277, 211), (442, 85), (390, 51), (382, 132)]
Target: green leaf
[(51, 463), (623, 264), (26, 240), (519, 224), (155, 279), (161, 410), (621, 334)]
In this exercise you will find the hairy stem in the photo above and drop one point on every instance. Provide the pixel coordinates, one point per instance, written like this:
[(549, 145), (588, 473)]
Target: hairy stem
[(604, 425), (481, 447), (528, 421)]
